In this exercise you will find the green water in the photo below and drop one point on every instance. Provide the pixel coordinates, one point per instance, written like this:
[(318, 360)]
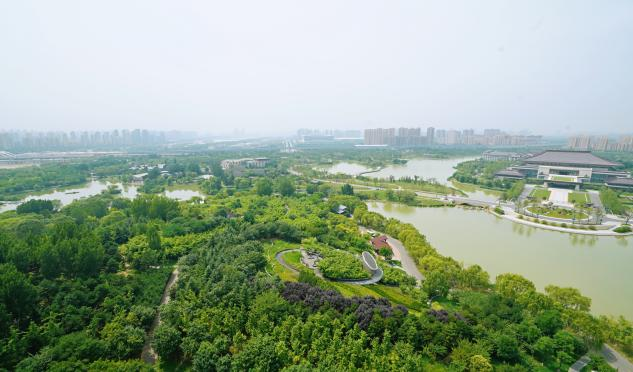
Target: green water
[(600, 267)]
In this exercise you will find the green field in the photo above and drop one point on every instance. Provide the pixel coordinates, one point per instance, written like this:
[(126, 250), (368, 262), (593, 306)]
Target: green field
[(578, 198), (539, 193)]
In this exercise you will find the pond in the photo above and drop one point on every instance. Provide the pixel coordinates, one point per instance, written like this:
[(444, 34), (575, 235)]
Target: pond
[(67, 196), (598, 266)]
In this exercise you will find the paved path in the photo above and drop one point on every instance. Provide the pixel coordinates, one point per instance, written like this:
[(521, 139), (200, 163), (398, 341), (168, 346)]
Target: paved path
[(560, 197), (149, 355), (580, 364), (616, 360), (282, 262), (405, 259), (527, 190), (594, 197)]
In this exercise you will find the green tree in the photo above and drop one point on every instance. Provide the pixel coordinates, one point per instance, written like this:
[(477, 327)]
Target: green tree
[(347, 189), (285, 186), (166, 341), (17, 294), (263, 187), (436, 283)]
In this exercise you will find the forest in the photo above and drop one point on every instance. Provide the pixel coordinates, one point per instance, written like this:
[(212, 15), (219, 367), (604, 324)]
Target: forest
[(80, 287)]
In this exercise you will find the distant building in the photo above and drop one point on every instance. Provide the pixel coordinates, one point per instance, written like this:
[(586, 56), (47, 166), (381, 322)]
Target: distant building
[(430, 135), (139, 178), (579, 143), (492, 155), (244, 163)]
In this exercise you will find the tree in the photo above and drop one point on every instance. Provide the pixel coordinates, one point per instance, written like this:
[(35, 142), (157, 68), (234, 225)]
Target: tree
[(479, 363), (506, 347), (549, 322), (569, 298), (263, 187), (153, 238), (347, 189), (166, 341), (285, 186), (17, 294), (514, 286), (436, 283), (36, 206)]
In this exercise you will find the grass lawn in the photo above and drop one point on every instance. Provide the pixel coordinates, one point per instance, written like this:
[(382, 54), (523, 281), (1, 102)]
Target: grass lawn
[(578, 198), (273, 267), (294, 260), (540, 193)]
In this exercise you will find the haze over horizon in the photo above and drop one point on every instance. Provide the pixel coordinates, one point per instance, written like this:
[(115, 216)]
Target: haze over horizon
[(552, 68)]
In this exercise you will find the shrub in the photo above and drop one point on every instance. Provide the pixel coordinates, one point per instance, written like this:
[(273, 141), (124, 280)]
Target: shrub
[(623, 229), (498, 210), (563, 225), (544, 222), (520, 216)]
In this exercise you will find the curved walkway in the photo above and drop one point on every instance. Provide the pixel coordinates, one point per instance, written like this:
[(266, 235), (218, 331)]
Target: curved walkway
[(282, 262), (148, 355), (376, 274)]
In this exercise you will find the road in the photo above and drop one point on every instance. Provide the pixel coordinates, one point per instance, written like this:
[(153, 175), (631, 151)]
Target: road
[(148, 355), (616, 360), (580, 364), (408, 264)]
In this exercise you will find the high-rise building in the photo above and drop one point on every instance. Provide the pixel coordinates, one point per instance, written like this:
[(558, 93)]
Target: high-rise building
[(430, 135), (600, 143), (453, 137), (579, 143), (380, 136)]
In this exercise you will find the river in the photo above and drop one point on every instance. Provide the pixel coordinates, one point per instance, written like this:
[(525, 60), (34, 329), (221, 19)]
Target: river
[(600, 267), (67, 196)]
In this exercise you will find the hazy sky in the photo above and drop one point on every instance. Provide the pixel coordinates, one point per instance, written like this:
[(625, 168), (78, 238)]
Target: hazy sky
[(214, 66)]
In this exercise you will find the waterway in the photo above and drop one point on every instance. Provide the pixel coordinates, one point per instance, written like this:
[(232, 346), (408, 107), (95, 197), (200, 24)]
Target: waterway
[(430, 169), (600, 267), (67, 196)]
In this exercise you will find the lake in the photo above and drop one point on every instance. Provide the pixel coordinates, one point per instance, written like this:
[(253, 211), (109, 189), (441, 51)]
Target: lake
[(600, 267), (67, 196), (426, 168)]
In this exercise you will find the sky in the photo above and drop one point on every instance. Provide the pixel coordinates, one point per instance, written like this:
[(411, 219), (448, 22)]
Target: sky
[(270, 67)]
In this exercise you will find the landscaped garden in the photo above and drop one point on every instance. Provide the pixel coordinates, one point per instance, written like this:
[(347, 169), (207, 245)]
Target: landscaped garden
[(557, 212), (540, 193), (337, 264)]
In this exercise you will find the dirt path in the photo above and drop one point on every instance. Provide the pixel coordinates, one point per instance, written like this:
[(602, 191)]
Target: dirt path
[(148, 355)]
